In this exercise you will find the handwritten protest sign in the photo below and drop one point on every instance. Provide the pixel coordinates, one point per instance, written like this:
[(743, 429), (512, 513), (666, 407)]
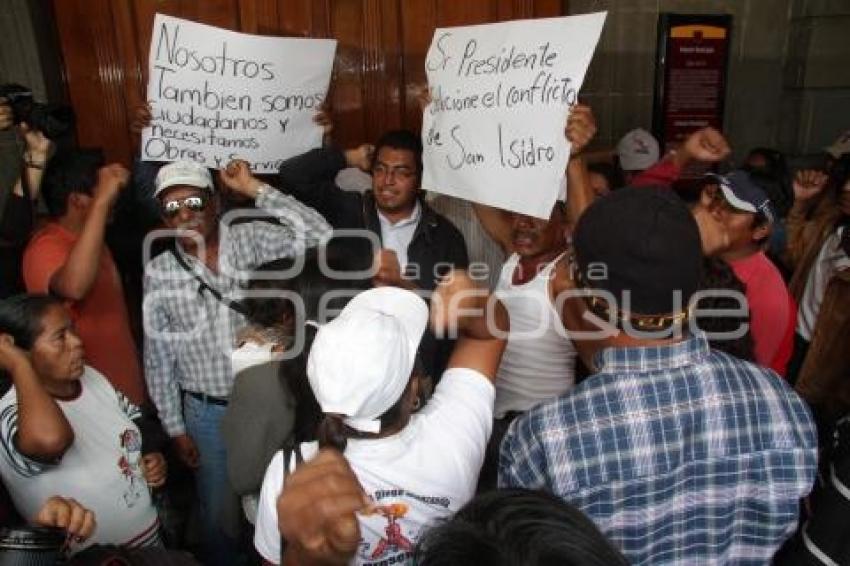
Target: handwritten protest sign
[(500, 94), (218, 95)]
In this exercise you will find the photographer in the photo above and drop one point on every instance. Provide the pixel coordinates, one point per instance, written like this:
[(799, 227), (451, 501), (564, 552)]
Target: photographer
[(21, 169)]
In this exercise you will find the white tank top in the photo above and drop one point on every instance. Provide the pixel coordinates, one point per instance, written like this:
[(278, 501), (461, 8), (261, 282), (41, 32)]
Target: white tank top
[(539, 359)]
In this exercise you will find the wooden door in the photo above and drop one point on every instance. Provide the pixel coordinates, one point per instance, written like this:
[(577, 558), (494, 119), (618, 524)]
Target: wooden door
[(379, 61)]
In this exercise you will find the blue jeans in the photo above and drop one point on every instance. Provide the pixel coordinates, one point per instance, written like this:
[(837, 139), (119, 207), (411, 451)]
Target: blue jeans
[(202, 424)]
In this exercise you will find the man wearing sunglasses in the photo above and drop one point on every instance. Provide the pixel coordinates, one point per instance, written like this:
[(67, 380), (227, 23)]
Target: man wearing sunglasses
[(191, 312)]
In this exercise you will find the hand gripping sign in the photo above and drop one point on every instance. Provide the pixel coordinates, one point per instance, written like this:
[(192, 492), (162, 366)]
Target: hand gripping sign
[(217, 95), (493, 132)]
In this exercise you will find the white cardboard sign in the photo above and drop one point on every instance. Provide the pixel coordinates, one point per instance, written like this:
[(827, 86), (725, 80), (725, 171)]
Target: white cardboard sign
[(500, 94), (218, 95)]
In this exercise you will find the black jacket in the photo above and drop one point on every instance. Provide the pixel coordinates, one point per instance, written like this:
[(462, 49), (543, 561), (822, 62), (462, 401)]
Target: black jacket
[(311, 178)]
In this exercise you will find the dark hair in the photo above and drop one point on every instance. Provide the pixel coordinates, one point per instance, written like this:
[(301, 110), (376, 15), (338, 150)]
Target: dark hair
[(775, 163), (332, 432), (70, 171), (406, 140), (717, 274), (311, 284), (517, 527), (612, 174), (776, 187), (20, 317), (839, 175)]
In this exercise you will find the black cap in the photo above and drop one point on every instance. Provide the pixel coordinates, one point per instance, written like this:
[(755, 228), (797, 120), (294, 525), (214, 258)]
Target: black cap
[(642, 240)]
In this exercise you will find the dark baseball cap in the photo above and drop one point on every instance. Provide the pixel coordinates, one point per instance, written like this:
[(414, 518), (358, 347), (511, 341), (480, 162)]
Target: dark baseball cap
[(649, 244), (742, 193)]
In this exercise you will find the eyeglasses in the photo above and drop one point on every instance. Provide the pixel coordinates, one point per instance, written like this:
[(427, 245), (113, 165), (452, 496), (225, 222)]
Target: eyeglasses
[(192, 204), (401, 173)]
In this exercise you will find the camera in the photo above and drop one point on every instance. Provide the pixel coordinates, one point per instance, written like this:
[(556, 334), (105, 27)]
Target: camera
[(54, 121)]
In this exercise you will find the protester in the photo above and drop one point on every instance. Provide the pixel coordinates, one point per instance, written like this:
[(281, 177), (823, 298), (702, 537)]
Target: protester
[(68, 258), (20, 187), (819, 250), (416, 244), (637, 151), (271, 404), (722, 312), (679, 453), (539, 361), (748, 216), (63, 427), (191, 315), (500, 528), (363, 369)]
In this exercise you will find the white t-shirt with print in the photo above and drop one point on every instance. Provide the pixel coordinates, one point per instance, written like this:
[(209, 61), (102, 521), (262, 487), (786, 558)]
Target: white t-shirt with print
[(425, 472), (101, 469)]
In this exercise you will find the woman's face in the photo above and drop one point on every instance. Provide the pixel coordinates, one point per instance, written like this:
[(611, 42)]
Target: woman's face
[(57, 353)]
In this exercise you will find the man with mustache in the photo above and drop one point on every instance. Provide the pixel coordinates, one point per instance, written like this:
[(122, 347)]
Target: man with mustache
[(539, 360), (190, 314)]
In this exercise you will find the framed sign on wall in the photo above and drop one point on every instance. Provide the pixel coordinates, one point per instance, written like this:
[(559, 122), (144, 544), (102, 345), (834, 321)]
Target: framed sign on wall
[(692, 57)]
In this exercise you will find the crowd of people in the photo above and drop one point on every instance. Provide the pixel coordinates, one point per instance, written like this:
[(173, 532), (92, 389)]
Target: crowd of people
[(303, 373)]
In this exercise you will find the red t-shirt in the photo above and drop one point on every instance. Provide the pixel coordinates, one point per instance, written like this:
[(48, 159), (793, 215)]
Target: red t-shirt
[(773, 314), (100, 318)]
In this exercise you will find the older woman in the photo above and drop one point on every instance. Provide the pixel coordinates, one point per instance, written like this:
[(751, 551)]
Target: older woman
[(64, 428)]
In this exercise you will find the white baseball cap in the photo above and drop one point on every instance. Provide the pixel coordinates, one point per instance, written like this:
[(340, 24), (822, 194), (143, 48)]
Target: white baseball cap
[(361, 362), (186, 173), (637, 150)]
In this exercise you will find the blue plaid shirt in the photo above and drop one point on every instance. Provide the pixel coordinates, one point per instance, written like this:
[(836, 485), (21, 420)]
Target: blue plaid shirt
[(680, 454)]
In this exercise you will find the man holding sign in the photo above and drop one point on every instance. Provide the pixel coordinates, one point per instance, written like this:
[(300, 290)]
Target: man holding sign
[(217, 95), (500, 94), (494, 134)]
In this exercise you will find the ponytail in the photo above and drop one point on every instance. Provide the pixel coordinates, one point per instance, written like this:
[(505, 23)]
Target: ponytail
[(332, 432)]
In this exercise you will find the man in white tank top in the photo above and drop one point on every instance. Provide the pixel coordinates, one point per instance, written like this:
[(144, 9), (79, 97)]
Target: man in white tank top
[(540, 359)]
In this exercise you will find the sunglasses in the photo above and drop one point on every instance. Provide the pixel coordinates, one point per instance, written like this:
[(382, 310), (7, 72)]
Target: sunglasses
[(192, 204)]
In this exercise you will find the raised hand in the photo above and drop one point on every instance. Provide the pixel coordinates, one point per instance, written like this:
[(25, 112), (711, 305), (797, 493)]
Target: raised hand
[(581, 127), (361, 157), (706, 145), (808, 183), (110, 180), (142, 117), (237, 176)]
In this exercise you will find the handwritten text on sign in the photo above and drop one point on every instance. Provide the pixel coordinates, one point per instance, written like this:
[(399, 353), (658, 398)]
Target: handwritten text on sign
[(500, 93), (218, 95)]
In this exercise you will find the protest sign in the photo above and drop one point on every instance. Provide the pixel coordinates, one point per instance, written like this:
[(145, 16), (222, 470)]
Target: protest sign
[(218, 95), (493, 132)]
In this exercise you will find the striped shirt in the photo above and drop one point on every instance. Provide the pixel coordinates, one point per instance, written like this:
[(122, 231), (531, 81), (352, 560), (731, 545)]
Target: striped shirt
[(189, 333), (680, 454), (102, 468)]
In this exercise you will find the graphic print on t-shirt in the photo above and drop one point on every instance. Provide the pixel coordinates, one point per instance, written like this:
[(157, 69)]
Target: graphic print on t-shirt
[(396, 544), (128, 464)]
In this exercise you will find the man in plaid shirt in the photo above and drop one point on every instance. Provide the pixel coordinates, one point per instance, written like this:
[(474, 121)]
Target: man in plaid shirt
[(190, 313), (680, 454)]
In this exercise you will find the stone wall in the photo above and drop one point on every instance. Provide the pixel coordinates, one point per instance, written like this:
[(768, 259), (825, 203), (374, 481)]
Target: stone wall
[(789, 78)]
